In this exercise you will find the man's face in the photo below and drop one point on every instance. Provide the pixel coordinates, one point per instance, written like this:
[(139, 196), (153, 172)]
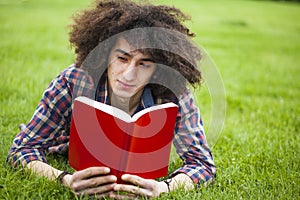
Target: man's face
[(128, 71)]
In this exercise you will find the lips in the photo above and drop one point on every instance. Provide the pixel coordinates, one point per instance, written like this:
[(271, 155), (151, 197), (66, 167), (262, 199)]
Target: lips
[(125, 85)]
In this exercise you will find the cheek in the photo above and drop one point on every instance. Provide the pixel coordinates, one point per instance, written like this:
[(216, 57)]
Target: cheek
[(115, 69), (145, 76), (110, 75), (111, 71)]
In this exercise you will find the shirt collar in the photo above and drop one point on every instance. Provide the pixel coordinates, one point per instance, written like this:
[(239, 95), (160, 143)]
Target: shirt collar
[(147, 98)]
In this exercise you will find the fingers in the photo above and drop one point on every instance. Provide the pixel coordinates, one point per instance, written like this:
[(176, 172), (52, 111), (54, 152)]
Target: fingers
[(136, 180), (132, 189), (97, 181), (95, 184), (102, 190), (140, 187), (90, 172), (94, 180)]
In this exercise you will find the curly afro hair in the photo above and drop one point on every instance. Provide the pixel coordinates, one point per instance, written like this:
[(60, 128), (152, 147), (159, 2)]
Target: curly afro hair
[(113, 17)]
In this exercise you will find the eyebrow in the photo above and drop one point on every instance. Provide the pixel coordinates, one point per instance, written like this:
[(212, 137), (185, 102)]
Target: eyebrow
[(129, 55)]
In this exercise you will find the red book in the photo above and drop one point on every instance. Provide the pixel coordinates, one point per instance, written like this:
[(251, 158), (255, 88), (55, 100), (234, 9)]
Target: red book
[(102, 135)]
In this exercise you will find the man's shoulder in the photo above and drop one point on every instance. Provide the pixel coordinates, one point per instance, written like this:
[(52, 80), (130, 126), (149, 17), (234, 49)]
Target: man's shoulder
[(76, 80), (186, 99), (74, 75), (73, 72)]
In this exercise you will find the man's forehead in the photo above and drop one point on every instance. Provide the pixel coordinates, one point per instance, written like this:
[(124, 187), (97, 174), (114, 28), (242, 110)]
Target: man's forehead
[(125, 47)]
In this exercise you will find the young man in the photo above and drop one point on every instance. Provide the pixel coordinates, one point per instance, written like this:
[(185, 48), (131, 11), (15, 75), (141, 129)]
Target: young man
[(130, 70)]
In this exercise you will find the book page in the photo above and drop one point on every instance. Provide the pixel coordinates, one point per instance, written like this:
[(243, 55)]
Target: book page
[(116, 112)]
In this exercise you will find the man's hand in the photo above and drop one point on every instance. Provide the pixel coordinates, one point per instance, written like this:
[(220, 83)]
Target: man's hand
[(141, 187), (91, 181)]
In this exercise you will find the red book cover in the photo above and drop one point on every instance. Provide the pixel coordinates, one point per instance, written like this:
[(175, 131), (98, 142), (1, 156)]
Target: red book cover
[(102, 135)]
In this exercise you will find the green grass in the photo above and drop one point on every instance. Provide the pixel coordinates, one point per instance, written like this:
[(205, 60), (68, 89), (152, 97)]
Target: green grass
[(255, 45)]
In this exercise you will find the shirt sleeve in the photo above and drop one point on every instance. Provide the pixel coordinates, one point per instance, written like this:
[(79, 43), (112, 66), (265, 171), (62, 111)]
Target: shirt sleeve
[(47, 131), (190, 143)]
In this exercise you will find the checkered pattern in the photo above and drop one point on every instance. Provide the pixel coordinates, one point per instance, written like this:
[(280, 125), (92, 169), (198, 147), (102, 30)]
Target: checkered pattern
[(48, 130)]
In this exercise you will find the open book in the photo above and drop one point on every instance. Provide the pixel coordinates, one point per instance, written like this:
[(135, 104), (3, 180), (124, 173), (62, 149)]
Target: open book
[(102, 135)]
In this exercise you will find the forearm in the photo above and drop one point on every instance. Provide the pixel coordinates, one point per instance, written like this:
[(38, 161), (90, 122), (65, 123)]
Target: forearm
[(191, 144), (43, 169)]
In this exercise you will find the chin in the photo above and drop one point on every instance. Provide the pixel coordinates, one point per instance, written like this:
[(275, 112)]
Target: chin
[(124, 95)]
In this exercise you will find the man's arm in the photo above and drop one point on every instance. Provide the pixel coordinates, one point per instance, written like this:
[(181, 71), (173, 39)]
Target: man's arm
[(43, 169), (78, 181), (190, 143), (47, 131)]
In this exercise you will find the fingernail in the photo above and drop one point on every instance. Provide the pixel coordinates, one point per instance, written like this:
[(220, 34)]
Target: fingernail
[(106, 170), (124, 176), (113, 178)]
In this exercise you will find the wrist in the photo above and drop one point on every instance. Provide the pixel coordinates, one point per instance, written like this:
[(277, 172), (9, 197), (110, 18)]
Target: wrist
[(167, 183), (67, 180), (63, 178), (162, 187)]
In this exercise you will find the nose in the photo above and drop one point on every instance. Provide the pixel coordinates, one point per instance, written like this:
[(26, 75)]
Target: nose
[(130, 72)]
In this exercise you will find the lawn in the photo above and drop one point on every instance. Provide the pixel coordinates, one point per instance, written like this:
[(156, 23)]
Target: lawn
[(255, 46)]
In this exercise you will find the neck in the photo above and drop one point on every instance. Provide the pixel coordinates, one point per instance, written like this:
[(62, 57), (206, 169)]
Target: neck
[(128, 105)]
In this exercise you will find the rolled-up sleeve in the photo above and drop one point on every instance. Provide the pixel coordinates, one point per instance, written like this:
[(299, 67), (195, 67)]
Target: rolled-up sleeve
[(190, 143)]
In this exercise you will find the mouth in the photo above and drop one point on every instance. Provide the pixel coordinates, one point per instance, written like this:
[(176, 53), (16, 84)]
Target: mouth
[(125, 85)]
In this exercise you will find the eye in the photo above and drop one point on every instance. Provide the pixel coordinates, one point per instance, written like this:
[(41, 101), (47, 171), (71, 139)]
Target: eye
[(145, 65), (122, 58)]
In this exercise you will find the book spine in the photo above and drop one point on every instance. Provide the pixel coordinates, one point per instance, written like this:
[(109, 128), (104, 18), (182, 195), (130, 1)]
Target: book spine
[(126, 147)]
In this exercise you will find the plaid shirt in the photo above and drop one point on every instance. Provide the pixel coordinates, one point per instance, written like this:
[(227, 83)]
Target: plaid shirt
[(48, 130)]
